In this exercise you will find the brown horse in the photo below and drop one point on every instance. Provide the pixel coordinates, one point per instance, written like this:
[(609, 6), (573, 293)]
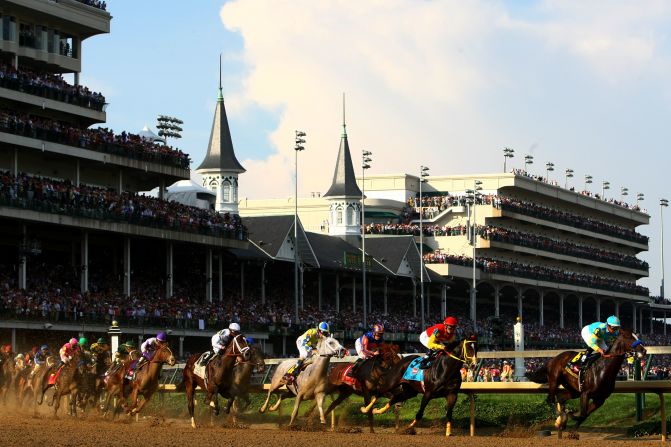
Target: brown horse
[(218, 373), (65, 385), (441, 379), (367, 379), (238, 388), (114, 381), (6, 374), (145, 379), (33, 382), (599, 381)]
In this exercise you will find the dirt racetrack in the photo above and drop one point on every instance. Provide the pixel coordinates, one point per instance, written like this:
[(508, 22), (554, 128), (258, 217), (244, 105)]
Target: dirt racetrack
[(25, 429)]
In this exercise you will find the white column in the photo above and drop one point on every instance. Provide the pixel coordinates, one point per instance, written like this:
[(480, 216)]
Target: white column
[(443, 301), (15, 162), (301, 290), (617, 308), (319, 290), (561, 310), (541, 297), (13, 339), (263, 284), (519, 303), (161, 189), (640, 321), (598, 309), (126, 266), (651, 322), (370, 296), (84, 268), (169, 281), (208, 275), (353, 292), (664, 322), (120, 181), (181, 346), (337, 292), (497, 300), (580, 322), (77, 174), (220, 277), (634, 319)]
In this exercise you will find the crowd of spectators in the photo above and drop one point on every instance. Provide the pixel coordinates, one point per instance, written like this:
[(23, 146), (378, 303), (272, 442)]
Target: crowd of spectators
[(63, 197), (95, 3), (537, 272), (101, 139), (634, 207), (50, 86)]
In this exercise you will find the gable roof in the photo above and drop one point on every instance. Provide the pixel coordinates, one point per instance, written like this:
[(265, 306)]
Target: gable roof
[(269, 234), (330, 251)]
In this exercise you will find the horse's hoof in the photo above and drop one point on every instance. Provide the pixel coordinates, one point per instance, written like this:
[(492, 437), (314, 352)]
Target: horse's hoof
[(364, 410), (212, 404), (413, 423)]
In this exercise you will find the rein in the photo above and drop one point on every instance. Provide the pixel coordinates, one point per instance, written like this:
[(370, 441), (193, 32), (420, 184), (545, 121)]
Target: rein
[(466, 358)]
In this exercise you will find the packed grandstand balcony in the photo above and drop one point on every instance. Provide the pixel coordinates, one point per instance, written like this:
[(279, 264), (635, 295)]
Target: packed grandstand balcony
[(63, 197)]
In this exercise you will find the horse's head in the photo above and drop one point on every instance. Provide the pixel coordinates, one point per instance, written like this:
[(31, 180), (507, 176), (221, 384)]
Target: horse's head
[(164, 355), (627, 343), (257, 359), (389, 353), (329, 346), (469, 350), (238, 347)]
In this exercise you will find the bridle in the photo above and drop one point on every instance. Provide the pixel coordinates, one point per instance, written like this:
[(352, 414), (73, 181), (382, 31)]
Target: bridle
[(333, 351), (464, 358), (164, 346), (236, 345)]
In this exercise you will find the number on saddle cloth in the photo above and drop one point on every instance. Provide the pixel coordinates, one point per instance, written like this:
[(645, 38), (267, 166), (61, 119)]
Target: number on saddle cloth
[(414, 370)]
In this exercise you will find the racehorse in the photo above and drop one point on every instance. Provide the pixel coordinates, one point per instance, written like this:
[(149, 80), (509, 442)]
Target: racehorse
[(441, 379), (145, 379), (238, 388), (599, 380), (218, 372), (33, 382), (64, 385), (6, 374), (114, 381), (367, 379), (312, 382)]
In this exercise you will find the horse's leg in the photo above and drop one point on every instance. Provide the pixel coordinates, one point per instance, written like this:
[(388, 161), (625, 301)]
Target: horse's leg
[(56, 402), (320, 404), (451, 399), (265, 404), (280, 396), (146, 396), (190, 390), (133, 399), (368, 402), (405, 394), (591, 407), (420, 413), (229, 404), (297, 404), (337, 401)]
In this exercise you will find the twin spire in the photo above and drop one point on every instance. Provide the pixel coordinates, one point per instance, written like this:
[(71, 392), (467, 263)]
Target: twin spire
[(344, 180)]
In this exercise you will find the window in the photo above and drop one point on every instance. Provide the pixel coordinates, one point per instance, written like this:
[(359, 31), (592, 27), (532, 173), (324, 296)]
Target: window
[(350, 215), (339, 216), (227, 191)]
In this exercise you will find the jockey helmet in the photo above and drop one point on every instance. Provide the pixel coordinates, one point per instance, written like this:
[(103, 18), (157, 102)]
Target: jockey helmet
[(161, 336), (131, 344), (67, 345), (83, 341), (234, 327), (324, 327), (450, 321), (6, 348), (378, 329), (613, 321), (44, 348), (102, 341), (73, 342)]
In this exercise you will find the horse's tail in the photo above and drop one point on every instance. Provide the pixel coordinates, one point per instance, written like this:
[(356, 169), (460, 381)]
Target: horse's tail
[(538, 376)]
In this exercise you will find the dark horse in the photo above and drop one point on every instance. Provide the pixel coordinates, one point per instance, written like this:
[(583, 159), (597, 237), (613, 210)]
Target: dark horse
[(441, 379), (145, 379), (218, 372), (65, 385), (367, 377), (238, 388), (599, 381)]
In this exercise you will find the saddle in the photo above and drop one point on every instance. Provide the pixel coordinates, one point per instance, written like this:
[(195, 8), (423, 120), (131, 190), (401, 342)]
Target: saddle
[(349, 380), (54, 376)]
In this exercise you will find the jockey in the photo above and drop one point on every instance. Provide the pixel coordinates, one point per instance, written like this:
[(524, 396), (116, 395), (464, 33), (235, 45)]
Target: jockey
[(307, 345), (101, 348), (40, 359), (437, 336), (598, 337), (220, 342), (367, 346), (68, 350), (149, 347), (83, 343)]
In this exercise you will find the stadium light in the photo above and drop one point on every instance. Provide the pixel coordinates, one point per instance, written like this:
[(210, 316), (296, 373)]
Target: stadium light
[(623, 192), (549, 167), (477, 187), (507, 153), (567, 175), (604, 186), (169, 127), (423, 174), (528, 160), (663, 203), (365, 164), (588, 180), (299, 142)]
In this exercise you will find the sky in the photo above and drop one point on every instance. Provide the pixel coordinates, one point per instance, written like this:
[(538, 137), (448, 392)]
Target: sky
[(446, 84)]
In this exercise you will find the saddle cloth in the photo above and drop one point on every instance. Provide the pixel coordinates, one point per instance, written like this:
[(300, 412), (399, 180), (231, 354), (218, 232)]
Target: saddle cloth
[(574, 364), (414, 372), (350, 381), (198, 369), (54, 376)]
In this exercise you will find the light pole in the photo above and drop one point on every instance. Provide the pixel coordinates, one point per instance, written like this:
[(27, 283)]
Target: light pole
[(365, 164), (528, 160), (623, 192), (567, 175), (639, 198), (423, 173), (549, 167), (588, 181), (604, 186), (477, 186), (507, 153), (663, 203), (300, 140)]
